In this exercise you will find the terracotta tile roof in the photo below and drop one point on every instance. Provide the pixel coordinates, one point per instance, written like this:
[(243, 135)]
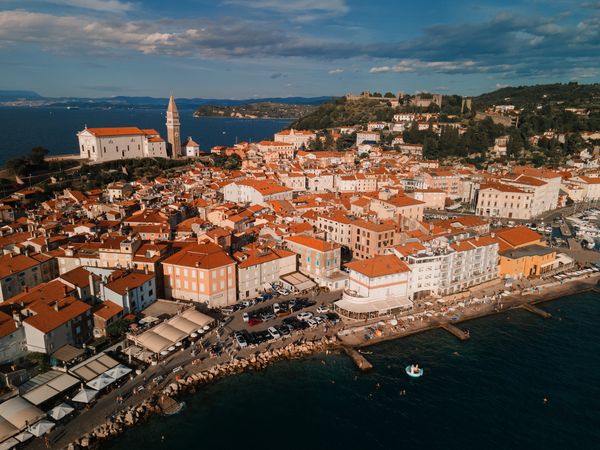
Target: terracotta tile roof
[(116, 131), (311, 242), (501, 187), (518, 236), (204, 256), (7, 324), (129, 281), (51, 315), (11, 264), (379, 266), (107, 310), (77, 277)]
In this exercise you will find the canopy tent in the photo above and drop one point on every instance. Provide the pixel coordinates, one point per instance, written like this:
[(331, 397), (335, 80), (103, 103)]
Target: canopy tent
[(24, 436), (51, 389), (92, 367), (42, 427), (183, 324), (197, 317), (297, 281), (101, 381), (85, 395), (9, 444), (60, 411), (153, 341), (118, 372), (19, 412), (7, 429), (169, 332)]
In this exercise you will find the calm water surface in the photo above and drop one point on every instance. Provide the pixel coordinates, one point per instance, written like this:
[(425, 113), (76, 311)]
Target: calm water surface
[(56, 128), (486, 393)]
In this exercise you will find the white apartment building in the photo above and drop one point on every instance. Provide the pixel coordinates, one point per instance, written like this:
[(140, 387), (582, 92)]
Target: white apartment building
[(255, 191), (259, 268), (367, 136), (502, 200), (590, 187), (109, 144), (376, 287), (545, 193), (337, 227), (355, 183), (298, 138)]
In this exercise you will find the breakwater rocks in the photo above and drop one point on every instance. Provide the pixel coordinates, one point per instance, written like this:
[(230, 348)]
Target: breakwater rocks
[(154, 404)]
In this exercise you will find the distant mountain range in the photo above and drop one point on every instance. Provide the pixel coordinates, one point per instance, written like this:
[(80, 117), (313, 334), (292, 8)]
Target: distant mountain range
[(30, 98)]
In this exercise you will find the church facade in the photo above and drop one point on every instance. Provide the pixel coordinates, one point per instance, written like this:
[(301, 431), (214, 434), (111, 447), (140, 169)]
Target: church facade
[(113, 143)]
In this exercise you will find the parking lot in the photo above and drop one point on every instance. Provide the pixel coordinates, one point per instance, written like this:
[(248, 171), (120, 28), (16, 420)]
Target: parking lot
[(251, 321)]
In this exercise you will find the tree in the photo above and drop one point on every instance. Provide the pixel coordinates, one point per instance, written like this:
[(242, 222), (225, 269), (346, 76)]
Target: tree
[(389, 95), (329, 142), (38, 155)]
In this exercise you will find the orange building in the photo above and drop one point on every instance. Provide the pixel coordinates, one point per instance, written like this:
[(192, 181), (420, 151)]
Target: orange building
[(201, 273)]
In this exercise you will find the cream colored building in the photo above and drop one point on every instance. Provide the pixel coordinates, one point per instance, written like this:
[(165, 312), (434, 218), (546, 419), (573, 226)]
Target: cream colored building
[(109, 144)]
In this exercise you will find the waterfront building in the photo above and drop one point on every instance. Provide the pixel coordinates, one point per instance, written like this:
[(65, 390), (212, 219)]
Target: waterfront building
[(19, 273), (318, 259), (109, 144), (201, 273), (258, 268)]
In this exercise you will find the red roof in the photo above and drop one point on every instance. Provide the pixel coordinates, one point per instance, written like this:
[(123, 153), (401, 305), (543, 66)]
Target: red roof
[(116, 131)]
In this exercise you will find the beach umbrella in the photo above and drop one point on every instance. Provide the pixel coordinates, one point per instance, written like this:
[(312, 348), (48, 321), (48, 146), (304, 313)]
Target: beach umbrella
[(41, 428), (9, 444), (393, 322), (101, 381), (171, 348), (194, 335), (24, 436), (118, 372), (85, 395), (60, 411), (206, 328), (164, 353)]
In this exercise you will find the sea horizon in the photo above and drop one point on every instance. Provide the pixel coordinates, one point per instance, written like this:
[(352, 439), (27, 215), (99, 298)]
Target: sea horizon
[(55, 128)]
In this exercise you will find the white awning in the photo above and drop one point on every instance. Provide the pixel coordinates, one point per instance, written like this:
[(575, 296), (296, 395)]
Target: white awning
[(42, 427), (101, 381), (374, 306), (60, 411), (118, 372), (85, 395)]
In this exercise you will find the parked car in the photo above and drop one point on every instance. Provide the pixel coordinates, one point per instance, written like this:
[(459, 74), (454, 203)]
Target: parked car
[(267, 316), (228, 310), (276, 308), (225, 321), (254, 321), (239, 337), (246, 317), (322, 309), (273, 332), (312, 323), (305, 315)]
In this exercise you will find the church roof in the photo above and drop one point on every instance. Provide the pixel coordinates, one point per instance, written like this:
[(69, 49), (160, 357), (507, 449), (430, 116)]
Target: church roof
[(172, 106), (116, 131)]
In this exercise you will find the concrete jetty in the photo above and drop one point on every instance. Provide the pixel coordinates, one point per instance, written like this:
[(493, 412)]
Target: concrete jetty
[(535, 310), (361, 362), (454, 330)]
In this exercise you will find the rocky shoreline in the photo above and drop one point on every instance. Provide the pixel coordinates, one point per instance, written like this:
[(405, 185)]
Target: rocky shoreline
[(151, 406)]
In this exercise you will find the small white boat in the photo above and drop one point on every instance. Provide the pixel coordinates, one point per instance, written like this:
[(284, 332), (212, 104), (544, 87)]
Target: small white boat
[(414, 371)]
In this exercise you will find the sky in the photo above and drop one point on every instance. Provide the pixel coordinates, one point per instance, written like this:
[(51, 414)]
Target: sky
[(282, 48)]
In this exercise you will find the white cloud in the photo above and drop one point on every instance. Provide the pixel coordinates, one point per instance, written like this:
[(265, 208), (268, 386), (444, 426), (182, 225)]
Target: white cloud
[(416, 65), (329, 7), (335, 71), (97, 5)]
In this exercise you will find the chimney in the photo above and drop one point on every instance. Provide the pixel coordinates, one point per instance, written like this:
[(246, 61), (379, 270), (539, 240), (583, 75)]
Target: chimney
[(65, 290), (56, 306), (146, 270)]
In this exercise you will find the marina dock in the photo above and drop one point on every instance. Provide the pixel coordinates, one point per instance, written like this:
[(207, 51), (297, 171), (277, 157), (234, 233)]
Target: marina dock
[(454, 330), (361, 362), (535, 310)]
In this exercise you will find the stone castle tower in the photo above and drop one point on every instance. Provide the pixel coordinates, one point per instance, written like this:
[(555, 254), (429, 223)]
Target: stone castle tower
[(173, 129)]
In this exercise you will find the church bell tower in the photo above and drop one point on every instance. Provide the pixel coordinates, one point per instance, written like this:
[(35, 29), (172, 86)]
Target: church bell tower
[(173, 129)]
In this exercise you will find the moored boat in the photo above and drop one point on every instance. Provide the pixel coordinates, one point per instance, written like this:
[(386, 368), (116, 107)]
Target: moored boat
[(414, 371)]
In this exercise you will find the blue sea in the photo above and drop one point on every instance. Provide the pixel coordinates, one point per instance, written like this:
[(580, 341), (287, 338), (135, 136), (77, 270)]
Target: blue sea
[(56, 129), (486, 393)]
